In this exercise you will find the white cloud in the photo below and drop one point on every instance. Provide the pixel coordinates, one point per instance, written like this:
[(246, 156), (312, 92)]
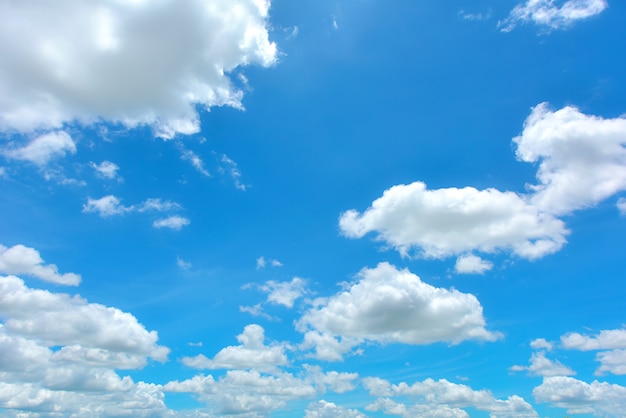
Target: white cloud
[(58, 354), (284, 293), (621, 205), (157, 205), (391, 305), (256, 310), (472, 264), (605, 340), (613, 360), (106, 169), (105, 206), (182, 264), (58, 319), (541, 343), (323, 409), (453, 221), (578, 397), (475, 16), (195, 160), (582, 158), (112, 73), (173, 222), (20, 259), (442, 398), (540, 365), (231, 168), (251, 354), (261, 262), (43, 148), (241, 392), (546, 14)]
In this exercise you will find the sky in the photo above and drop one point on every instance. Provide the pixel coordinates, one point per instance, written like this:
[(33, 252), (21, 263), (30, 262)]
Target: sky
[(313, 208)]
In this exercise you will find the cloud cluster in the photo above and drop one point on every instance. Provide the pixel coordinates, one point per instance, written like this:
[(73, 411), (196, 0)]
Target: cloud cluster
[(611, 345), (390, 305), (442, 398), (136, 62), (20, 259), (581, 161), (58, 354), (110, 205), (547, 14)]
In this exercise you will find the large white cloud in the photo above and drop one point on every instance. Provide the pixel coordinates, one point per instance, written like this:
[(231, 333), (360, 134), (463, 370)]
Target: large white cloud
[(20, 259), (133, 62), (550, 15), (578, 397), (390, 305), (441, 398), (251, 354), (613, 343), (582, 158), (453, 221), (58, 355), (58, 319)]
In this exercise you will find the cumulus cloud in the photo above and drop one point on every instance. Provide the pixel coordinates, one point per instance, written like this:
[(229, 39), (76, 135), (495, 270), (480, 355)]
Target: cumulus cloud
[(43, 149), (241, 392), (582, 158), (613, 342), (20, 259), (112, 73), (578, 397), (106, 169), (453, 221), (581, 161), (58, 354), (324, 409), (540, 365), (173, 222), (442, 398), (390, 305), (547, 14), (541, 343), (251, 354), (284, 293), (106, 206), (472, 264)]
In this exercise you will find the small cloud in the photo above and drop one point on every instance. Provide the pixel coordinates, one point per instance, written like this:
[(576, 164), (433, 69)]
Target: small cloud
[(621, 205), (20, 259), (43, 149), (231, 168), (261, 262), (335, 23), (198, 344), (173, 222), (293, 32), (106, 169), (106, 206), (541, 343), (3, 173), (472, 264), (256, 310), (158, 205), (475, 16), (546, 14), (182, 264), (540, 365), (195, 160)]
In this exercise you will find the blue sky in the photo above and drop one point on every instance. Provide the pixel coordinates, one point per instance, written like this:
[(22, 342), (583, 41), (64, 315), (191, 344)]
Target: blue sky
[(312, 209)]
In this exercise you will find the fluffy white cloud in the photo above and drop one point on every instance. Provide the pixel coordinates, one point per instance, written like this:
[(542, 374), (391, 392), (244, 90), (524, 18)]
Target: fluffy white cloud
[(284, 293), (442, 398), (59, 319), (173, 222), (540, 365), (58, 354), (612, 361), (44, 148), (240, 392), (105, 206), (111, 72), (453, 221), (578, 397), (390, 305), (251, 354), (105, 169), (582, 158), (472, 264), (323, 409), (545, 13), (541, 343), (605, 340), (20, 259)]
